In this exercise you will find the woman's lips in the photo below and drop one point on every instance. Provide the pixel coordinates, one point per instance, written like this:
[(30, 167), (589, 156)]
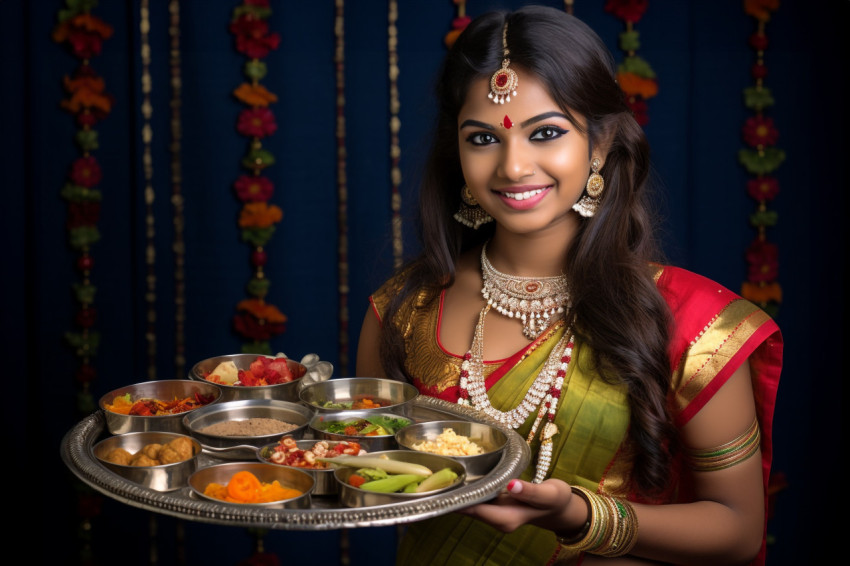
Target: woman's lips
[(524, 197)]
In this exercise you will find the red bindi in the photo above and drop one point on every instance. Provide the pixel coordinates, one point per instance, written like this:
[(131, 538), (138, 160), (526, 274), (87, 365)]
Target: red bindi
[(507, 123)]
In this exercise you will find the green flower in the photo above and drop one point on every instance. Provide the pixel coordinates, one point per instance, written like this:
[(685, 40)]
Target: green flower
[(84, 344), (764, 218), (75, 7), (638, 66), (255, 69), (258, 287), (87, 140), (630, 40), (758, 98), (83, 236), (258, 159), (84, 293), (262, 348), (761, 163), (78, 193), (257, 236)]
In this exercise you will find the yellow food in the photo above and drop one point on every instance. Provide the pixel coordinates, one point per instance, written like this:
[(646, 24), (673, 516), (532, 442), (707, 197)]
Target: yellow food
[(153, 454), (449, 443), (226, 372)]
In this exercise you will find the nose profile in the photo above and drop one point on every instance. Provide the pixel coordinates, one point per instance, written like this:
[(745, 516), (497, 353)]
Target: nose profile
[(515, 161)]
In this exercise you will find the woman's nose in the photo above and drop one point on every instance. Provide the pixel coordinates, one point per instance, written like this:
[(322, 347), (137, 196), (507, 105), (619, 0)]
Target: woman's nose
[(516, 161)]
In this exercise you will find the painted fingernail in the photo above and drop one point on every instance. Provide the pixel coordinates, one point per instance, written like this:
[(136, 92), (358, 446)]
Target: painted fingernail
[(515, 486)]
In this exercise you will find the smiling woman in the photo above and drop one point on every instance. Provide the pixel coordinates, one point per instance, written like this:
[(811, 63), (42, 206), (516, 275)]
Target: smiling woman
[(626, 376)]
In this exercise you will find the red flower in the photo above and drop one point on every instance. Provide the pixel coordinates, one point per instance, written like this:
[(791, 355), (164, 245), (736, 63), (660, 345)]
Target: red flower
[(261, 559), (628, 10), (758, 41), (759, 70), (260, 3), (253, 188), (86, 317), (763, 259), (84, 213), (85, 172), (86, 373), (252, 36), (639, 108), (84, 45), (759, 131), (763, 189), (256, 122), (249, 327)]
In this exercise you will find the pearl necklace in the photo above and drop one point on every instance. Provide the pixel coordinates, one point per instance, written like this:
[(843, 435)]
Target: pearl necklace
[(535, 301)]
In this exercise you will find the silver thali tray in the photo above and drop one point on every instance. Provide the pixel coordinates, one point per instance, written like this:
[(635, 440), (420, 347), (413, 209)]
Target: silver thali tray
[(76, 453)]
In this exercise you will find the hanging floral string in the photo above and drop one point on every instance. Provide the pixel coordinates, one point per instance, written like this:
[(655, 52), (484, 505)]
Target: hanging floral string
[(256, 320), (459, 23), (147, 170), (761, 158), (179, 246), (87, 100), (635, 76), (395, 126), (342, 181), (568, 6)]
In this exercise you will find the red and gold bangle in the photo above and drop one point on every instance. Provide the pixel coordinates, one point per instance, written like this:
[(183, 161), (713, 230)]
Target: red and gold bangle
[(726, 455)]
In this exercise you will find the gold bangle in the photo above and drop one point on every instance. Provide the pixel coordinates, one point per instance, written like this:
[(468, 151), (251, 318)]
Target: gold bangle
[(726, 455), (611, 529)]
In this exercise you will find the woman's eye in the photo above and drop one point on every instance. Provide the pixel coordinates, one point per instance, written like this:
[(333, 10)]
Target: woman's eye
[(482, 138), (548, 133)]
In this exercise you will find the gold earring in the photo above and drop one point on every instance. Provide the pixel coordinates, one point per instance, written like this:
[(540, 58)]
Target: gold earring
[(470, 212), (588, 203)]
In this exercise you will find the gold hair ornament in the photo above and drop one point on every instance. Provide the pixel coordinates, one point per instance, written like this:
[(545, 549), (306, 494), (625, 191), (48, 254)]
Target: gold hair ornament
[(503, 82)]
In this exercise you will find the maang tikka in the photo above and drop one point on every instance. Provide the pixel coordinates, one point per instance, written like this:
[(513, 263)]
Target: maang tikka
[(503, 82)]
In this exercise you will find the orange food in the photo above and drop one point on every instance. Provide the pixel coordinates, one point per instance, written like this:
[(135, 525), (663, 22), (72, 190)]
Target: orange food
[(245, 487), (365, 403)]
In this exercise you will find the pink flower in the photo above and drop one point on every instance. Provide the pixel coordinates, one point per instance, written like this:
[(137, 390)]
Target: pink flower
[(763, 189), (628, 10), (85, 172), (256, 122), (759, 131), (252, 36), (763, 260), (253, 188)]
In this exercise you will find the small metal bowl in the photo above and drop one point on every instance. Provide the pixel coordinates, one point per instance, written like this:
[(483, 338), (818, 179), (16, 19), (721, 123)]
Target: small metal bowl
[(195, 422), (282, 391), (489, 438), (266, 473), (163, 477), (338, 394), (166, 390), (325, 482), (318, 429), (350, 496)]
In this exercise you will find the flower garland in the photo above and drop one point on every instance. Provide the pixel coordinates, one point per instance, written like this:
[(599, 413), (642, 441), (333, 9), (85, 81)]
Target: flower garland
[(179, 246), (147, 170), (342, 180), (255, 319), (88, 101), (760, 159), (635, 76), (459, 23), (395, 126)]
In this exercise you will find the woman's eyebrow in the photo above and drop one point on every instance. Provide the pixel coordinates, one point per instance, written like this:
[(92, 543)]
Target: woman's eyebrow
[(543, 116), (477, 124)]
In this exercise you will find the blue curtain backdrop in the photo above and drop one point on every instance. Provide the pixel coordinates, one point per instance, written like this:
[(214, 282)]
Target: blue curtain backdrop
[(700, 53)]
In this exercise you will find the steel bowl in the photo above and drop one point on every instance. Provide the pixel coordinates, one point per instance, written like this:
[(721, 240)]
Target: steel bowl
[(282, 391), (350, 496), (318, 429), (266, 473), (228, 446), (325, 482), (166, 390), (346, 394), (490, 439), (161, 477)]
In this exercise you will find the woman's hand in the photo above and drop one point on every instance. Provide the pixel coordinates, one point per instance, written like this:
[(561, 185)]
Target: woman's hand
[(550, 505)]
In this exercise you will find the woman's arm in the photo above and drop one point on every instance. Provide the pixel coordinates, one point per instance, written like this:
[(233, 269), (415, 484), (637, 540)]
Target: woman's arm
[(368, 348), (724, 525)]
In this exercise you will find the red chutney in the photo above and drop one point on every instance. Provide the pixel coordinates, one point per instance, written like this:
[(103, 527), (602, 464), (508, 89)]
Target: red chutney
[(287, 453)]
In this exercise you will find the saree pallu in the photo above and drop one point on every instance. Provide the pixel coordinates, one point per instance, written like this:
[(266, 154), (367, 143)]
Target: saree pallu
[(715, 332)]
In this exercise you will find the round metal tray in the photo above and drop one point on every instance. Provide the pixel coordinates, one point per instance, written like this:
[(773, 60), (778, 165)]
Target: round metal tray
[(76, 452)]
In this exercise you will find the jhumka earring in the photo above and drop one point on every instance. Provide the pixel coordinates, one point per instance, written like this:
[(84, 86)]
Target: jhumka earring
[(589, 202), (503, 82), (470, 212)]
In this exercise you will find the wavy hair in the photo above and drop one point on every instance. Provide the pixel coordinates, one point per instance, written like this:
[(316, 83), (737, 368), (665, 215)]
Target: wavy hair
[(617, 309)]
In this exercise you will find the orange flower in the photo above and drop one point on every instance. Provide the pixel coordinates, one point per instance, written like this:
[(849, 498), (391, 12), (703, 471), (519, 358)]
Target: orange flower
[(254, 95), (633, 84), (761, 9), (760, 294), (261, 310), (259, 215), (82, 21), (86, 92)]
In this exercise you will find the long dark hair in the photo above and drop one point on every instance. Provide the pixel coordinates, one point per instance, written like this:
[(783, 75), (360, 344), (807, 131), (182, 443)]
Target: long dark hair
[(617, 309)]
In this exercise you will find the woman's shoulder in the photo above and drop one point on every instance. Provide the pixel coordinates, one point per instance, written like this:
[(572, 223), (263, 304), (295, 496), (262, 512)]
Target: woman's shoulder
[(685, 289)]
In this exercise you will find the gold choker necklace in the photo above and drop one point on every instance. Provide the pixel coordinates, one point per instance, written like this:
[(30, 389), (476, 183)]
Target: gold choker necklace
[(535, 301)]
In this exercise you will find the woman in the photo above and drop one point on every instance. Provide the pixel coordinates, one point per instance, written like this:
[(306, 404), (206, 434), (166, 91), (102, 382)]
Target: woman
[(646, 392)]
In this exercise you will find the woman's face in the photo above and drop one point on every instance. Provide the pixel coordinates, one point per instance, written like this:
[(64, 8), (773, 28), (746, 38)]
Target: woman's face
[(524, 161)]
